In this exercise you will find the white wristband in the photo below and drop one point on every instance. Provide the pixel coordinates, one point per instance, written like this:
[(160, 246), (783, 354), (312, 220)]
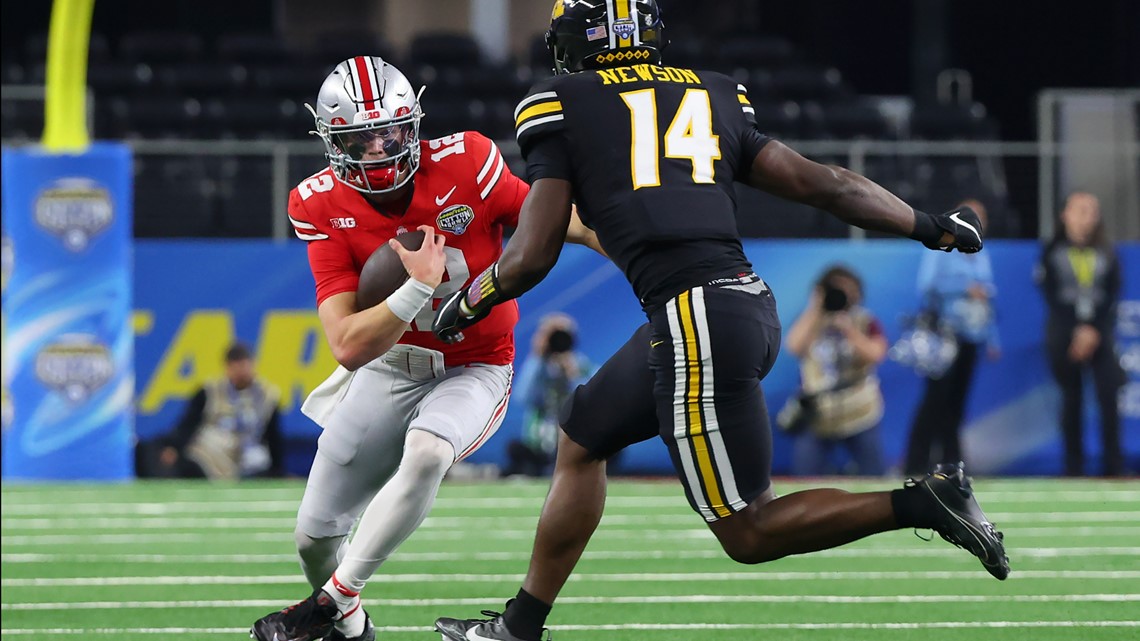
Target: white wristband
[(409, 299)]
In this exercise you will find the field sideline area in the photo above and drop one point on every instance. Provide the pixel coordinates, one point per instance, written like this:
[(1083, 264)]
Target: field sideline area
[(202, 561)]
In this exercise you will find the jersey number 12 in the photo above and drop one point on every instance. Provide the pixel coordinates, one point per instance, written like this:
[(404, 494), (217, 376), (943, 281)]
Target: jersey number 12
[(690, 136)]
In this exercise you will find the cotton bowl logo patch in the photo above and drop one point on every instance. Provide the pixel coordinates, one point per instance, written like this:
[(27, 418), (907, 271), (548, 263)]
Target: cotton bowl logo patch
[(75, 210), (624, 29), (455, 219), (75, 365)]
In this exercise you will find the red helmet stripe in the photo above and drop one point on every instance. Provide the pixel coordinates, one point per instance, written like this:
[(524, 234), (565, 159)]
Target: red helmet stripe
[(366, 87)]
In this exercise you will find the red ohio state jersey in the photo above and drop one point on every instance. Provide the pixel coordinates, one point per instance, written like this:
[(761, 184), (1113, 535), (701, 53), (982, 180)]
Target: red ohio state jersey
[(464, 190)]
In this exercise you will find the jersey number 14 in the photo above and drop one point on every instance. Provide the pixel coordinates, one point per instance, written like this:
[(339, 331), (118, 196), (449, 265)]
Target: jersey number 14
[(690, 136)]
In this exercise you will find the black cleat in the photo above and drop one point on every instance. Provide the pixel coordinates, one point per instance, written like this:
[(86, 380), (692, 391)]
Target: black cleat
[(959, 518), (492, 629), (368, 635), (308, 620)]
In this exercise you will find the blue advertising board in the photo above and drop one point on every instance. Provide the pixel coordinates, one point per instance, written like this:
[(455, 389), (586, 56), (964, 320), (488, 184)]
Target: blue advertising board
[(68, 345), (194, 298)]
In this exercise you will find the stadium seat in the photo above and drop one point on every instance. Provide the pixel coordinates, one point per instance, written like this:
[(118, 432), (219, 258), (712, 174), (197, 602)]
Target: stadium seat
[(947, 122), (201, 79), (114, 78), (13, 73), (803, 82), (778, 119), (158, 46), (689, 53), (21, 119), (301, 81), (444, 50), (247, 117), (335, 46), (854, 120), (154, 116), (173, 197), (751, 51), (245, 198), (251, 48), (35, 48)]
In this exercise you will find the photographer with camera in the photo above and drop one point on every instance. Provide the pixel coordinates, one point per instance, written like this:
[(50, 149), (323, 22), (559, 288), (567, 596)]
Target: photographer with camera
[(546, 380), (839, 343)]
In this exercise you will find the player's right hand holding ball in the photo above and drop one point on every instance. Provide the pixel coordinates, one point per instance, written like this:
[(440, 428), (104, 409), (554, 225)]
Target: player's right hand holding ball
[(426, 264)]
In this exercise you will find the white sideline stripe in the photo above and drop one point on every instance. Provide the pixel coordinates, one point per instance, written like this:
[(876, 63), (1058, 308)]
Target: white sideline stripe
[(939, 551), (603, 600), (499, 523), (285, 536), (631, 577), (643, 626)]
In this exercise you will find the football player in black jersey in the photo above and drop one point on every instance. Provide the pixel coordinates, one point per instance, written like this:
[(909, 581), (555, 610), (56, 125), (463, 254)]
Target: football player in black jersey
[(649, 154)]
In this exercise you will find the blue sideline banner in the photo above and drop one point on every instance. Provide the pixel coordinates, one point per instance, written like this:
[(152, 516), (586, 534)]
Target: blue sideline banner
[(194, 298), (68, 342)]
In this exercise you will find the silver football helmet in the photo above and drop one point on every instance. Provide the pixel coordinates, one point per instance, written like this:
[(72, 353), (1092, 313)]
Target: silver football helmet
[(369, 119)]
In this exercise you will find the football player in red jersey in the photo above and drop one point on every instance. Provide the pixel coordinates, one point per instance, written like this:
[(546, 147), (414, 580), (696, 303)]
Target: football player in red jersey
[(403, 406)]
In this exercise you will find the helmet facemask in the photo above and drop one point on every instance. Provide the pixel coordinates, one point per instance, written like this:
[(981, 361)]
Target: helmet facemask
[(376, 156)]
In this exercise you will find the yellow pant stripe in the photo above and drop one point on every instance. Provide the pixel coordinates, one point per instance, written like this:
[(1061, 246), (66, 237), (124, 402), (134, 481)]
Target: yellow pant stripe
[(697, 435)]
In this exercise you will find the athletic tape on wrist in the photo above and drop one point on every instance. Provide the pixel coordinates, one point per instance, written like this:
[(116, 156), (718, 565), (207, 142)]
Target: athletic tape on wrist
[(482, 294), (409, 299)]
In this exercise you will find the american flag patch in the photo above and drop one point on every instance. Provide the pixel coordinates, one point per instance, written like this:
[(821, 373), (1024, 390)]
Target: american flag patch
[(596, 33)]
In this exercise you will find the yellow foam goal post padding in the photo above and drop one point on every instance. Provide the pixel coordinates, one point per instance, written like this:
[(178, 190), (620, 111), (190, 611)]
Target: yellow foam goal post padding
[(65, 91)]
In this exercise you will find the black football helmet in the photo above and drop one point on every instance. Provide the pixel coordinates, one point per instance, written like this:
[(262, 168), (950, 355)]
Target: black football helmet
[(589, 34)]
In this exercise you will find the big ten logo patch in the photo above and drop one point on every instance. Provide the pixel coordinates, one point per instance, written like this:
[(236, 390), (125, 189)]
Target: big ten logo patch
[(455, 219), (343, 223)]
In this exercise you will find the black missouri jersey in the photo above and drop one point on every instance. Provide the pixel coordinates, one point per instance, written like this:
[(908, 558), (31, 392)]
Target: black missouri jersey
[(652, 153)]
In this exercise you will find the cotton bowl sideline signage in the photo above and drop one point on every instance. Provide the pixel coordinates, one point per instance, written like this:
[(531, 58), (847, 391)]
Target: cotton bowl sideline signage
[(68, 345)]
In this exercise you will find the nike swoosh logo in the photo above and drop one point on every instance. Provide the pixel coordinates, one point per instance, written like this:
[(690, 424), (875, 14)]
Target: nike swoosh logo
[(472, 635), (655, 343), (956, 218), (439, 200)]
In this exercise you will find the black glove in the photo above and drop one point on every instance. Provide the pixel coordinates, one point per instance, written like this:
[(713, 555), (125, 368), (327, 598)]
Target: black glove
[(467, 306), (962, 223)]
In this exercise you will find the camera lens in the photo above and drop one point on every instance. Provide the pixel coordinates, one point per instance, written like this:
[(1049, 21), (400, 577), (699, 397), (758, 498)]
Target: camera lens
[(560, 341), (834, 299)]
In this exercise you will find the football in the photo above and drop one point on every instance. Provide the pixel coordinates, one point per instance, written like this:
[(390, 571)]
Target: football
[(383, 272)]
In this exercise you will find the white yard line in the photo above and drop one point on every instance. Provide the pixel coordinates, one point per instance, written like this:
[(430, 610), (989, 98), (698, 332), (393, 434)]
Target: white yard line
[(499, 523), (938, 551), (289, 506), (648, 627), (616, 577), (285, 536), (611, 600)]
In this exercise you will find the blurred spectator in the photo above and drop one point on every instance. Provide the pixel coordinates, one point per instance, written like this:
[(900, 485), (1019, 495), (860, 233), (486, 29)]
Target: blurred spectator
[(839, 344), (229, 430), (546, 380), (957, 292), (1079, 275)]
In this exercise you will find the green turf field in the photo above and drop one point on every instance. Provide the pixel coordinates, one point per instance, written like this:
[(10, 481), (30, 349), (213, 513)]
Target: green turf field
[(200, 561)]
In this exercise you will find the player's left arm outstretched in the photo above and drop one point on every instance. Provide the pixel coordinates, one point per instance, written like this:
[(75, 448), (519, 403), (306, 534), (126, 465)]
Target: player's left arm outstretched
[(531, 253)]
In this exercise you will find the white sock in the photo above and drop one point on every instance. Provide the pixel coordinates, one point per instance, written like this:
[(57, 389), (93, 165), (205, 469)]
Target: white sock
[(351, 621), (396, 510)]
